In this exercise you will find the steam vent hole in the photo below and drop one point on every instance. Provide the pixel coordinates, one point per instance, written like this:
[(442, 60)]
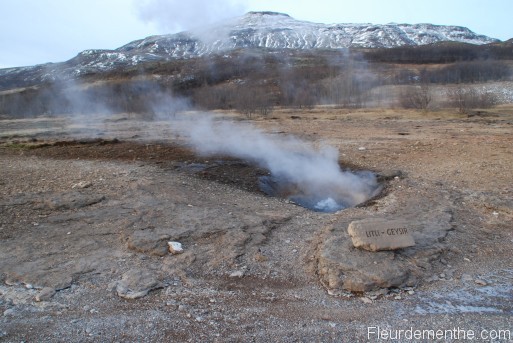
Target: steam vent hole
[(358, 188), (320, 192)]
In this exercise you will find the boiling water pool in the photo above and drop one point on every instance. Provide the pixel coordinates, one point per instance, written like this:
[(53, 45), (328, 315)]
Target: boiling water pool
[(322, 199)]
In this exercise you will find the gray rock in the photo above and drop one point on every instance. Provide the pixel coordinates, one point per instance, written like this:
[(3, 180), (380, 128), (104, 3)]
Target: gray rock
[(172, 302), (35, 275), (341, 266), (355, 270), (45, 294), (480, 282), (380, 234), (9, 312), (68, 201), (82, 185), (136, 284), (237, 274), (432, 278), (466, 277), (150, 241), (366, 300), (387, 175)]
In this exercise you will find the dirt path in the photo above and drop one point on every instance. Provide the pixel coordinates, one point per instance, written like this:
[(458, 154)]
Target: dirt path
[(87, 211)]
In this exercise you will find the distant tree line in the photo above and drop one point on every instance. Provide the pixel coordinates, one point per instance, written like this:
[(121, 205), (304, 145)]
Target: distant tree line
[(255, 81), (441, 53), (458, 72), (77, 98)]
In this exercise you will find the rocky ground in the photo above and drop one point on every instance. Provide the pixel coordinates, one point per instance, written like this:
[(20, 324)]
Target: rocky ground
[(88, 206)]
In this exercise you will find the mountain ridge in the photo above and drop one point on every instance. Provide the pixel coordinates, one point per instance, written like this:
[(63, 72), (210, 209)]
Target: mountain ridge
[(268, 30), (280, 31)]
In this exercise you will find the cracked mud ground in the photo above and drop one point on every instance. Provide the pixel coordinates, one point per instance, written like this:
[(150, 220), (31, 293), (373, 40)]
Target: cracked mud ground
[(86, 214)]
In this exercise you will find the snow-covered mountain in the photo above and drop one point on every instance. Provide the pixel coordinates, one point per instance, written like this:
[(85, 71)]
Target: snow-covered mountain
[(253, 30), (280, 31), (274, 31)]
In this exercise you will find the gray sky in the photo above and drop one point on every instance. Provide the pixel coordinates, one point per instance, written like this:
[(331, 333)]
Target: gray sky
[(40, 31)]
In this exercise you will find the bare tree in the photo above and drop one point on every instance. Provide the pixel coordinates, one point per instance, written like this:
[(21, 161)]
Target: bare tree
[(466, 99), (253, 99), (416, 96)]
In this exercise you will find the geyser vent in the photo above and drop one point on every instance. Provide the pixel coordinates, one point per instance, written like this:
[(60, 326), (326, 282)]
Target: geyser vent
[(324, 199)]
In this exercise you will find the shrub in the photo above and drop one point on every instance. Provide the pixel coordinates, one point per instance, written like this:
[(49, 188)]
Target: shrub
[(466, 99)]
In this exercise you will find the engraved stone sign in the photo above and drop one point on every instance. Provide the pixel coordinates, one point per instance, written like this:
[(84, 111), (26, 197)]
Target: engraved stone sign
[(380, 234)]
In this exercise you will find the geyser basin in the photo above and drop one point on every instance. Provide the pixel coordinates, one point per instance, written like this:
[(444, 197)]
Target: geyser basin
[(321, 196), (305, 172)]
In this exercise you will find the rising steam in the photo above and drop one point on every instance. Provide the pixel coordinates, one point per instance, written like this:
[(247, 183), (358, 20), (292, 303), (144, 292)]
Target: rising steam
[(300, 172), (176, 15), (308, 176)]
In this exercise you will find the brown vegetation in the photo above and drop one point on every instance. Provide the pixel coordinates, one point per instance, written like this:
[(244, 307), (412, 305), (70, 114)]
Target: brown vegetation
[(466, 99), (255, 81)]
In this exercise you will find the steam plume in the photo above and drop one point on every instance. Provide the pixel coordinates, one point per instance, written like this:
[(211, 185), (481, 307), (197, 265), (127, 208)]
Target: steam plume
[(175, 15), (311, 177)]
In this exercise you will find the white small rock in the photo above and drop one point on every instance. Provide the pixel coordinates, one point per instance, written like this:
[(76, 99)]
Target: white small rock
[(175, 247), (480, 282), (366, 300), (362, 148), (332, 292), (238, 273), (82, 185)]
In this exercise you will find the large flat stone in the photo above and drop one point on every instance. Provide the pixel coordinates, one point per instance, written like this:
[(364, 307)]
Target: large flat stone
[(136, 283), (380, 234), (149, 241), (342, 267)]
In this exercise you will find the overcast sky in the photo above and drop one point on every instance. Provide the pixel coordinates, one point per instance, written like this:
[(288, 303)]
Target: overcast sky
[(40, 31)]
